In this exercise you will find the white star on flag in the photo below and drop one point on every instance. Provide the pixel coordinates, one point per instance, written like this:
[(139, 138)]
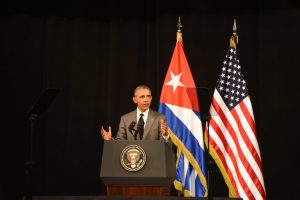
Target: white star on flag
[(175, 82)]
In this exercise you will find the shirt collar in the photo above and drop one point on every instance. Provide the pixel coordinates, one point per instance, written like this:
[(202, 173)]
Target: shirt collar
[(138, 113)]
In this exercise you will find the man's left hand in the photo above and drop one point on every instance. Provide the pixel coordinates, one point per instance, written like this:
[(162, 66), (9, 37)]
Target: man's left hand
[(164, 127)]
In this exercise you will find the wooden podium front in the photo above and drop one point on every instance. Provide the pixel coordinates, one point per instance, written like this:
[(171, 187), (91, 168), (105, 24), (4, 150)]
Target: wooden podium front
[(154, 179), (138, 190)]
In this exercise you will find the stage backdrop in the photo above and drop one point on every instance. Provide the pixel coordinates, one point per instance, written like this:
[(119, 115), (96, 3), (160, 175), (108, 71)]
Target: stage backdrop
[(96, 53)]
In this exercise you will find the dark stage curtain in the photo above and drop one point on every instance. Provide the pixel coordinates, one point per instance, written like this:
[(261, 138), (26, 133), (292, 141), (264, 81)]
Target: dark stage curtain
[(96, 53)]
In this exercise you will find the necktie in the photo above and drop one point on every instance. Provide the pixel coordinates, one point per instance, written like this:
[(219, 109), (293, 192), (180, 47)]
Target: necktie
[(140, 126)]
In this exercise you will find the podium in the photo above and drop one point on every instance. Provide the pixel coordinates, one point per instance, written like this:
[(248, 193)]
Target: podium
[(153, 179)]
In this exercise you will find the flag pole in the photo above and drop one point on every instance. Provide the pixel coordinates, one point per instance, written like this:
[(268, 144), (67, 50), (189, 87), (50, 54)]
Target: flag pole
[(209, 164), (179, 33)]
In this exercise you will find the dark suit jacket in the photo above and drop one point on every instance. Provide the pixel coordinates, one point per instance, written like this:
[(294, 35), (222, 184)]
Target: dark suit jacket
[(152, 127)]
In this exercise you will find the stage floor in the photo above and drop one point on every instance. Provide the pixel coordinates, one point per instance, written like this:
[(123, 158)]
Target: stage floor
[(125, 198)]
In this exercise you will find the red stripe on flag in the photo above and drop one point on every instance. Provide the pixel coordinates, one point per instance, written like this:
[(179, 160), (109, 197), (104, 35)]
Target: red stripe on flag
[(228, 148), (248, 116), (253, 152), (248, 167), (219, 151), (251, 123), (247, 140)]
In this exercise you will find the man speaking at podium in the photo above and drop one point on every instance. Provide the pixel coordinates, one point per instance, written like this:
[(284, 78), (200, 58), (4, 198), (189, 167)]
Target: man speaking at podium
[(142, 123)]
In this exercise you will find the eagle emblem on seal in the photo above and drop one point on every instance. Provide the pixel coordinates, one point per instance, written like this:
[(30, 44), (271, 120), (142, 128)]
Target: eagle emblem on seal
[(133, 158)]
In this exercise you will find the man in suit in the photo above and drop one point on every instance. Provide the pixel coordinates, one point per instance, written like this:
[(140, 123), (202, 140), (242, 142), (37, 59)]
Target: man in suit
[(142, 123)]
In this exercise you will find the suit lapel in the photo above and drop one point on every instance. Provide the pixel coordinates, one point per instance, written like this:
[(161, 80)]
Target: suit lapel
[(133, 116)]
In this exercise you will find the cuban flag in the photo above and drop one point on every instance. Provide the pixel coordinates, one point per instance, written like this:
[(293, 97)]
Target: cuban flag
[(179, 102)]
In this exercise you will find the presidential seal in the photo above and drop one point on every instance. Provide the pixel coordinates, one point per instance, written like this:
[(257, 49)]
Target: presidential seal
[(133, 158)]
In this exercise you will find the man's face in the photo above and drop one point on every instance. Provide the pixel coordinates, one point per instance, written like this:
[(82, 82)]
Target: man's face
[(143, 99)]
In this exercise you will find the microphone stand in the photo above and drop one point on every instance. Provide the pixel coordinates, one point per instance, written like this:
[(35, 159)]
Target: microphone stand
[(134, 133), (29, 164), (37, 109), (132, 130)]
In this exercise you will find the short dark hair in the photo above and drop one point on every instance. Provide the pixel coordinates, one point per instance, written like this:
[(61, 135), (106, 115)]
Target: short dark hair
[(141, 87)]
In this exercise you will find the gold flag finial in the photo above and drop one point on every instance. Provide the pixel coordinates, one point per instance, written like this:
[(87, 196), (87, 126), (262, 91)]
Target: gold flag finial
[(179, 25), (234, 40)]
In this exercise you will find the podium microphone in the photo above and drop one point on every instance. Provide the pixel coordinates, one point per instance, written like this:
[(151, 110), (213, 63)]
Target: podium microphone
[(131, 129)]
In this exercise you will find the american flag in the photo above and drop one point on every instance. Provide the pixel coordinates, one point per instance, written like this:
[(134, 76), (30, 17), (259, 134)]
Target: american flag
[(232, 132)]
